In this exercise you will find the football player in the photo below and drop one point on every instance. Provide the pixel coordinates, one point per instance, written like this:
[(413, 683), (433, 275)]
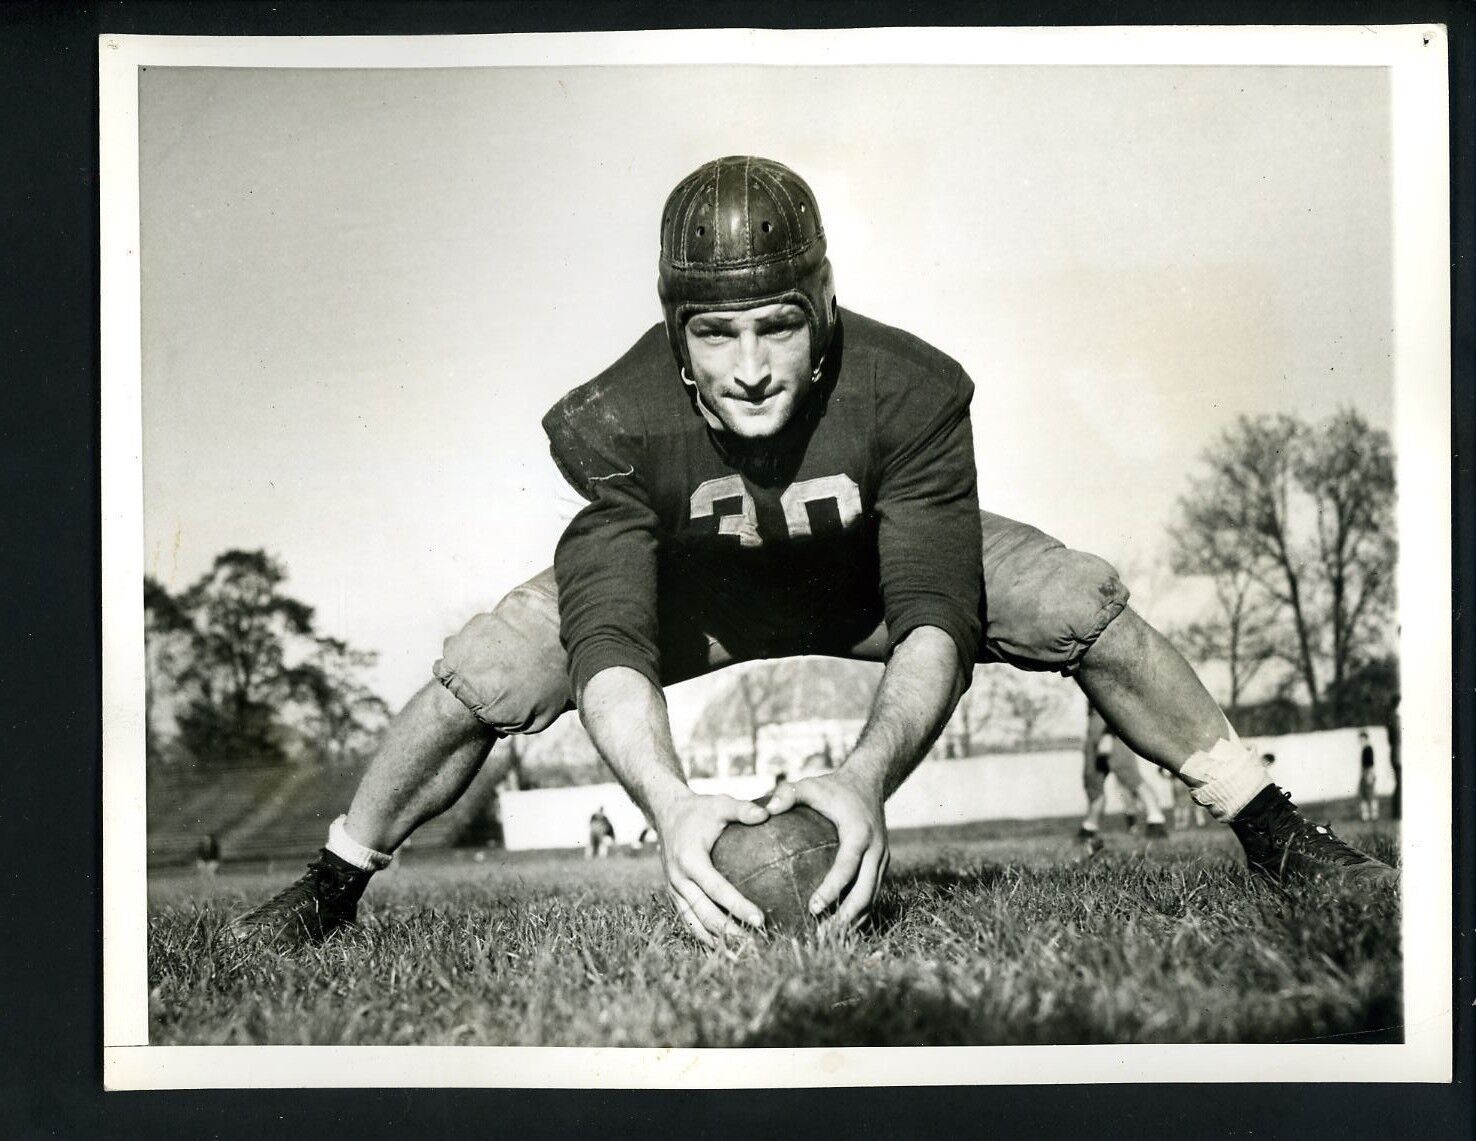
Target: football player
[(765, 475), (1104, 755), (601, 836), (1368, 800)]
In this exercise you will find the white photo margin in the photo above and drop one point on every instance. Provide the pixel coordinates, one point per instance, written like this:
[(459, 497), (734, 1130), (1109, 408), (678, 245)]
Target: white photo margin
[(1415, 57)]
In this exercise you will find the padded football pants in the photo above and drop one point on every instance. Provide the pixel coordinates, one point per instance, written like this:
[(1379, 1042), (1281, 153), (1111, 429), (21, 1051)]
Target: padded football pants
[(1042, 607)]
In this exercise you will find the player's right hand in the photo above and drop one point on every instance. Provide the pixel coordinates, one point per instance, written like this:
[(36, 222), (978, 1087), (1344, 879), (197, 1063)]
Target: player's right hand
[(707, 902), (854, 806)]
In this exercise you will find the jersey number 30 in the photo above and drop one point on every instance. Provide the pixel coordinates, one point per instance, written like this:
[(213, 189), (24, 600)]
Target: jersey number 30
[(838, 489)]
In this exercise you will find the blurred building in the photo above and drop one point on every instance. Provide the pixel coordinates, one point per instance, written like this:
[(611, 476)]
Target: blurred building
[(788, 717), (1039, 785)]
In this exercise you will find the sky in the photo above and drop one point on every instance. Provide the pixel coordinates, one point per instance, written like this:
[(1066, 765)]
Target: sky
[(362, 289)]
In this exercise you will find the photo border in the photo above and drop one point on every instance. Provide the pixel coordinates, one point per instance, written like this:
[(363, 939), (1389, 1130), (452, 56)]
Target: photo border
[(1416, 58)]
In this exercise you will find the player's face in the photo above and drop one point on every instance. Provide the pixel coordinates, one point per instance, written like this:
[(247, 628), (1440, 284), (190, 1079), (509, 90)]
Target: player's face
[(751, 366)]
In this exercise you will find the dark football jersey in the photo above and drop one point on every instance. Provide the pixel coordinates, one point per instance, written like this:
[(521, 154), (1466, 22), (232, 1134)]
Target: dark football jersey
[(865, 507)]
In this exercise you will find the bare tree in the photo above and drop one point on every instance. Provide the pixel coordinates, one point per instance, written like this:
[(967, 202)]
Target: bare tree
[(759, 694), (561, 756), (1293, 526), (1030, 699), (853, 684), (1241, 510), (1241, 630), (1347, 468), (976, 708)]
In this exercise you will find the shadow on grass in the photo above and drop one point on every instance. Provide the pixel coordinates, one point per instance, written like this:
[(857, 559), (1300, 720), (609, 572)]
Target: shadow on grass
[(951, 879), (905, 1016), (910, 1011), (900, 891)]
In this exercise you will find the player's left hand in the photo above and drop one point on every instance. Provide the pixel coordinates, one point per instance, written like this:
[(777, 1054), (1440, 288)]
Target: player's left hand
[(862, 856)]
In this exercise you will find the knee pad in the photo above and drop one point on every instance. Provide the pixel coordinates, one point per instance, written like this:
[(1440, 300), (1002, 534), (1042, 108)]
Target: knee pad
[(1052, 607), (507, 666)]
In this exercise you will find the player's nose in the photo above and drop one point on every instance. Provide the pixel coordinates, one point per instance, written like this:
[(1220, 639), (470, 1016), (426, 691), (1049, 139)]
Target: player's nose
[(751, 369)]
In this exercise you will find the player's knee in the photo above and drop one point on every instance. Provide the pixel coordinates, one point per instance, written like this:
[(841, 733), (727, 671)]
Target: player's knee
[(448, 711), (1056, 608), (507, 666)]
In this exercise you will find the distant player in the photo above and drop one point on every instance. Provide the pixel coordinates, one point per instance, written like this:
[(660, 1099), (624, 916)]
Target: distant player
[(1169, 797), (644, 838), (1396, 758), (768, 475), (1368, 801), (1186, 811), (1103, 755), (601, 835), (207, 855)]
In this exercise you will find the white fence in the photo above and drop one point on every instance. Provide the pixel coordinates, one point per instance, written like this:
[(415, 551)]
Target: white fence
[(1009, 786)]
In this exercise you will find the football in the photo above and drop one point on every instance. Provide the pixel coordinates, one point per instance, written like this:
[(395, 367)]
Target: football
[(778, 864)]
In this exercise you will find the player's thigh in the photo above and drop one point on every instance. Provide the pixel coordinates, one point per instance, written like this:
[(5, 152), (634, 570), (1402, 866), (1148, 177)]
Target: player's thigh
[(1043, 604), (510, 669), (507, 666)]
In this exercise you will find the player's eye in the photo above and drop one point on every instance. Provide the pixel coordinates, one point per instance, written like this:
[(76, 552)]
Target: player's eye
[(782, 327)]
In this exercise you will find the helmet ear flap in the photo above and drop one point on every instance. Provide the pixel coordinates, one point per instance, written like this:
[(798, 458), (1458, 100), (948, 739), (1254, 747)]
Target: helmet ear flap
[(823, 310)]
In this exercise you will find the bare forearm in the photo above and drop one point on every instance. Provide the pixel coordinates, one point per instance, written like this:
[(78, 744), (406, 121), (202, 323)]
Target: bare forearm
[(627, 719), (921, 685), (625, 714)]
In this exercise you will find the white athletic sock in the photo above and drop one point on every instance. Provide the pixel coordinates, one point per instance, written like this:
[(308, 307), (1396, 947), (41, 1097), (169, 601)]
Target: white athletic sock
[(1225, 779), (350, 851)]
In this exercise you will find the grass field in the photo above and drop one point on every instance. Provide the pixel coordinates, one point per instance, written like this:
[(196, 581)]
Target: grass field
[(976, 941)]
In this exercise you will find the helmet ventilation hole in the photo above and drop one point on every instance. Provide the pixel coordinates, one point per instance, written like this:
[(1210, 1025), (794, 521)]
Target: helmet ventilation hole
[(767, 227), (701, 230)]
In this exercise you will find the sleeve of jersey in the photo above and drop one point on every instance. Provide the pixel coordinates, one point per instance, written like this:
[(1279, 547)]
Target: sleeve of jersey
[(928, 513), (605, 562)]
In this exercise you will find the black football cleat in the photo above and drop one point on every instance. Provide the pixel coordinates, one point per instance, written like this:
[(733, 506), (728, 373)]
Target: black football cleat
[(1157, 830), (1283, 845), (1089, 842), (324, 899)]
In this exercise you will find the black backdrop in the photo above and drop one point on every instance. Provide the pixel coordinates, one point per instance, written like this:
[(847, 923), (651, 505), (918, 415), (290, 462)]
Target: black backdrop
[(50, 739)]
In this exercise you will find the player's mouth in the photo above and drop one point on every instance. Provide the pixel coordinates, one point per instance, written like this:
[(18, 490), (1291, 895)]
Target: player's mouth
[(755, 399)]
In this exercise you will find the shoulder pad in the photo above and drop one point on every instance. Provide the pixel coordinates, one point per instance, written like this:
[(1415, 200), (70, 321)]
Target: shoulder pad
[(597, 430)]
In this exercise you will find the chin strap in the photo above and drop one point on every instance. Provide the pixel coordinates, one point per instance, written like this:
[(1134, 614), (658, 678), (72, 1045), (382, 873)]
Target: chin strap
[(712, 417), (707, 413)]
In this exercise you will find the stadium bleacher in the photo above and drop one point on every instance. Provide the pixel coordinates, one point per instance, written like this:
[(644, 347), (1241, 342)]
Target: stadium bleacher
[(269, 812)]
